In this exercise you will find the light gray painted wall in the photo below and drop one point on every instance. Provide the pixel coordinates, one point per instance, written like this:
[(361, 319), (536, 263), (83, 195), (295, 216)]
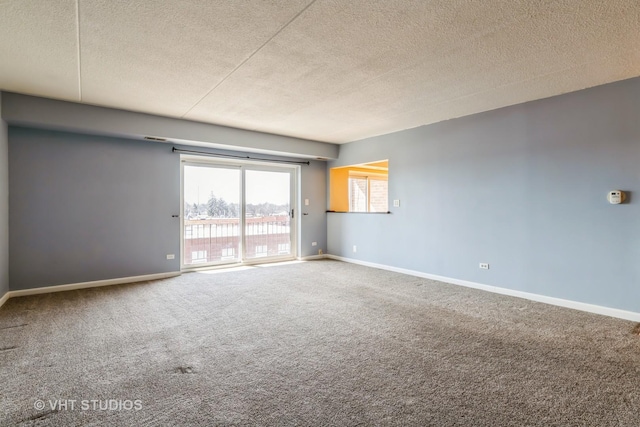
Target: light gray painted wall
[(31, 111), (522, 188), (86, 208), (314, 223), (4, 205)]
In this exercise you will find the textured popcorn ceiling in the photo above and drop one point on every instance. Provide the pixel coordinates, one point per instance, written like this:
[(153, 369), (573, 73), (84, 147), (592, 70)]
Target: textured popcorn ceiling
[(328, 70)]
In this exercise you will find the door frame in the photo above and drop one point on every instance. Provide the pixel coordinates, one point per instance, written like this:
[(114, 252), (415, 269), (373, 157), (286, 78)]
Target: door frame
[(243, 166)]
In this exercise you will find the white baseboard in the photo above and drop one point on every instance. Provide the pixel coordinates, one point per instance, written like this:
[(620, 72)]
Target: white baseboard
[(4, 298), (83, 285), (591, 308), (312, 257)]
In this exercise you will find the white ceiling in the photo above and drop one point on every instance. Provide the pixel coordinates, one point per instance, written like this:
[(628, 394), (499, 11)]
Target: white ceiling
[(328, 70)]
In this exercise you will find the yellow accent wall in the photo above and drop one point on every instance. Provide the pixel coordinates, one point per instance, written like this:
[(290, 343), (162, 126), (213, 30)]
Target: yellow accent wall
[(339, 189)]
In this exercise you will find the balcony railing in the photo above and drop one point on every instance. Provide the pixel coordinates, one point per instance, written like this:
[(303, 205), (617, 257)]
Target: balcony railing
[(218, 239)]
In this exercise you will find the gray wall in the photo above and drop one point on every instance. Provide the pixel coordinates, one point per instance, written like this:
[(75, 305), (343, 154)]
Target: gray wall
[(522, 188), (86, 208), (31, 111), (314, 223), (4, 205)]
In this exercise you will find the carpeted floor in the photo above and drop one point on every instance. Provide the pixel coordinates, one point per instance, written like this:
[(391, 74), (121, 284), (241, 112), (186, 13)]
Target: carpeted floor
[(316, 343)]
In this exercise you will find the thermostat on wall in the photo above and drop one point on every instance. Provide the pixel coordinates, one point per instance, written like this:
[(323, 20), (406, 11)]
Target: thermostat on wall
[(615, 197)]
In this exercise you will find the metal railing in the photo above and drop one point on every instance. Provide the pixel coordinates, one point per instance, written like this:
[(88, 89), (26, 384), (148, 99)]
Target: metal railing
[(218, 239)]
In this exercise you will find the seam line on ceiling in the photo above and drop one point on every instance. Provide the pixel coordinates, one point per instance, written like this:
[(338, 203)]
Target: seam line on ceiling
[(79, 57), (246, 59)]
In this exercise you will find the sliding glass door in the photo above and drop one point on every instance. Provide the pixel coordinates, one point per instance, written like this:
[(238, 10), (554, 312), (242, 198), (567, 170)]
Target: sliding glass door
[(236, 212), (267, 213), (211, 215)]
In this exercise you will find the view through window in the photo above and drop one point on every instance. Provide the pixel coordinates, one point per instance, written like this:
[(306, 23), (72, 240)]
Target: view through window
[(360, 188), (235, 213)]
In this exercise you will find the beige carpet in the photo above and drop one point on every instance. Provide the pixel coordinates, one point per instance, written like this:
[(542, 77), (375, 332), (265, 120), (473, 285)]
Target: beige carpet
[(318, 343)]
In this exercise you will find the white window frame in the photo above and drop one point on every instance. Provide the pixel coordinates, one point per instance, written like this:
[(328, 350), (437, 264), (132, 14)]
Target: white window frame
[(244, 165), (368, 177)]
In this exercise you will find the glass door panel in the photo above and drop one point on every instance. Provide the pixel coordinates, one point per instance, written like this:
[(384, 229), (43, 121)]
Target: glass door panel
[(267, 213), (212, 215)]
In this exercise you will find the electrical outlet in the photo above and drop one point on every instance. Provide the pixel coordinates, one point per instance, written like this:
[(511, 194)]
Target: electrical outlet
[(484, 265), (171, 256), (355, 248), (319, 251), (314, 243), (396, 203), (306, 202)]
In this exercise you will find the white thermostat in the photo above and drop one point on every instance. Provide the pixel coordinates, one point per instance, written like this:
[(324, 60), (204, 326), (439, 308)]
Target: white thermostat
[(615, 197)]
